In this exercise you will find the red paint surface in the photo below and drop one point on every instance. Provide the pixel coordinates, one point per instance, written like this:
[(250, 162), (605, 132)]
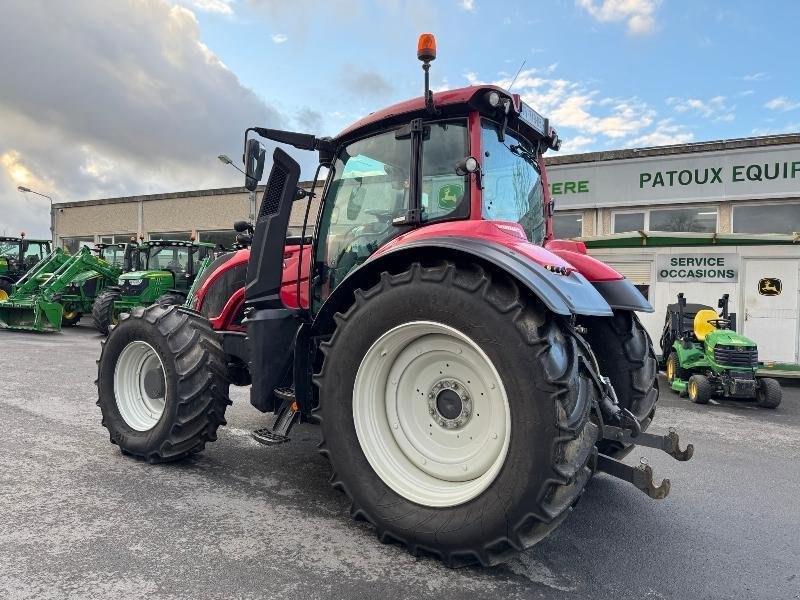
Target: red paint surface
[(589, 267), (507, 234), (457, 96), (289, 295)]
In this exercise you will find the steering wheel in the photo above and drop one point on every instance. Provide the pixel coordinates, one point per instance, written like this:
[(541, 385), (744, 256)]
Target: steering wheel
[(720, 323)]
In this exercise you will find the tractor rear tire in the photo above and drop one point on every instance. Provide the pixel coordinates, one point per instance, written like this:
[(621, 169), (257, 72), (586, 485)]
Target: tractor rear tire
[(175, 408), (103, 315), (674, 370), (171, 298), (474, 332), (626, 356), (699, 389), (70, 318), (5, 289), (769, 393)]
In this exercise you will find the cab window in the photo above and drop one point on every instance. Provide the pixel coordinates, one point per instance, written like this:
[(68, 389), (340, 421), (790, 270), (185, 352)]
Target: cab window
[(368, 190), (512, 186), (445, 195)]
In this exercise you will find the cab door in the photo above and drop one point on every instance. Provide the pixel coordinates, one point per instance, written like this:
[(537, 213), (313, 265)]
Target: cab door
[(771, 303)]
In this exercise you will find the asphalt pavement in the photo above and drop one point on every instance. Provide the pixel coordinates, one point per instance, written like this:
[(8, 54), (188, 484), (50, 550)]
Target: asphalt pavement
[(241, 520)]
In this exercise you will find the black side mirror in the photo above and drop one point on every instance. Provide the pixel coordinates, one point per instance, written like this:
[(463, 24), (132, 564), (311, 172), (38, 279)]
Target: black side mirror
[(254, 156)]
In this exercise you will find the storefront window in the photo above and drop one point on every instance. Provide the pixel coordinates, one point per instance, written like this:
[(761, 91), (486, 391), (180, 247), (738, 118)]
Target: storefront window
[(781, 217), (633, 221), (701, 220), (567, 225), (73, 244), (226, 238)]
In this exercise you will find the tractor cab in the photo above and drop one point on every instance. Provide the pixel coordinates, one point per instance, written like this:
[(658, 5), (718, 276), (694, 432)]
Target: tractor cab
[(165, 265), (17, 256)]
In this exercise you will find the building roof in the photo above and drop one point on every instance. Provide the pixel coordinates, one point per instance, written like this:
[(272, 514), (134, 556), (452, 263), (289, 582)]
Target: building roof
[(712, 146), (633, 239), (170, 195)]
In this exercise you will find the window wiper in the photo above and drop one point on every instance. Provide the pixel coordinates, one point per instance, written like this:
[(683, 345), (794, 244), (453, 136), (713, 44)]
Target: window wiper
[(528, 156)]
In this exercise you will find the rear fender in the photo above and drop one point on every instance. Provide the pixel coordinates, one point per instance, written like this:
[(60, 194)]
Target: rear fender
[(564, 294), (620, 293)]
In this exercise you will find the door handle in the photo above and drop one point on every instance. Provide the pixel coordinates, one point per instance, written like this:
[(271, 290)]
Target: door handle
[(746, 314)]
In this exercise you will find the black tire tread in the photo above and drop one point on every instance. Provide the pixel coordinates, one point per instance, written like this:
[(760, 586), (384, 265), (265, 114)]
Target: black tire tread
[(102, 310), (202, 383), (772, 394), (704, 389), (574, 447)]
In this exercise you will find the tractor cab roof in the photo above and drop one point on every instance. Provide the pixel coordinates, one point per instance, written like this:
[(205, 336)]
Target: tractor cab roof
[(489, 100), (20, 239), (157, 243)]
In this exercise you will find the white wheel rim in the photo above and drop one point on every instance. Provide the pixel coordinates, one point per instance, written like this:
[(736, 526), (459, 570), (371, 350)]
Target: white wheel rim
[(409, 387), (138, 389)]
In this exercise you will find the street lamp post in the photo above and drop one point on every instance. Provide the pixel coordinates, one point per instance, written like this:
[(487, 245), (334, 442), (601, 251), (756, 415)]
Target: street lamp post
[(26, 190), (226, 160)]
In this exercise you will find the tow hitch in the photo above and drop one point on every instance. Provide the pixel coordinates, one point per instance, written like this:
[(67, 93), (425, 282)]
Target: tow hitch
[(641, 476), (628, 430)]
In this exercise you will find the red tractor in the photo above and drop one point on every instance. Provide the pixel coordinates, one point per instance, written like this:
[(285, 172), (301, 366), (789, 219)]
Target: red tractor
[(469, 373)]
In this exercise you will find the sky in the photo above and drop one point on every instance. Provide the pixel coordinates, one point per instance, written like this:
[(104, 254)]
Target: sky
[(102, 99)]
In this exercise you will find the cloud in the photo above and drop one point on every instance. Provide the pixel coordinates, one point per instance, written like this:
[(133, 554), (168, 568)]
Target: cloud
[(364, 82), (279, 38), (573, 105), (782, 103), (715, 108), (468, 5), (638, 14), (124, 101), (666, 133), (222, 7), (761, 76)]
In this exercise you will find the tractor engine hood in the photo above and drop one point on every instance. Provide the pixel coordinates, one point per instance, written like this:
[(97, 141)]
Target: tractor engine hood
[(726, 337), (132, 275)]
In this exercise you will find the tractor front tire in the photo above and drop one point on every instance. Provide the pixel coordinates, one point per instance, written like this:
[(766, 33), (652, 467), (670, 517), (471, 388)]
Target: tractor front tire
[(103, 316), (769, 393), (455, 413), (162, 384), (699, 389), (626, 356), (171, 298), (674, 370)]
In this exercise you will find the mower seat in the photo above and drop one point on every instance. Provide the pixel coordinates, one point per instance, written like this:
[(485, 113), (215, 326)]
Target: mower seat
[(702, 327)]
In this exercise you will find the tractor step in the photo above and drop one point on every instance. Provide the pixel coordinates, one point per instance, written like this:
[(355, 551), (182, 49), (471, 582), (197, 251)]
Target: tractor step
[(287, 415), (668, 443), (640, 476)]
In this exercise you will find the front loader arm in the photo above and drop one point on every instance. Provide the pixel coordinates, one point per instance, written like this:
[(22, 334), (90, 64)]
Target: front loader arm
[(75, 265)]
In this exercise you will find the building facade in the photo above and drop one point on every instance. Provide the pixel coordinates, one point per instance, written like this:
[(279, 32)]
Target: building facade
[(704, 219)]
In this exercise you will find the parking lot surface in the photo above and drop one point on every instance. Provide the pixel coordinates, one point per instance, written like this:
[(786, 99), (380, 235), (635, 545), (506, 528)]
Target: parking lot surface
[(242, 520)]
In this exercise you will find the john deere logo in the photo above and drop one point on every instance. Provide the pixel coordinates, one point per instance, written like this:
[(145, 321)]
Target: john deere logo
[(449, 195), (769, 286)]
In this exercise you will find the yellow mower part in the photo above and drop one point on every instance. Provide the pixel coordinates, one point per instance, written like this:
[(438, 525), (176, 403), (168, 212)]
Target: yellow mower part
[(702, 327), (3, 295)]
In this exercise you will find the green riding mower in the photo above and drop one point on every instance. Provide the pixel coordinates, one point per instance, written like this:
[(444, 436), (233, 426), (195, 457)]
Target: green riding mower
[(167, 269), (62, 287), (706, 358), (17, 256)]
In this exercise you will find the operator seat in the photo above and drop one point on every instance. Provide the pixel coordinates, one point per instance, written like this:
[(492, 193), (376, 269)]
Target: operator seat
[(702, 327)]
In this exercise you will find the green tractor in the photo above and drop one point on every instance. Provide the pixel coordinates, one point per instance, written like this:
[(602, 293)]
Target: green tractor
[(17, 257), (57, 290), (79, 296), (706, 358), (167, 270)]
